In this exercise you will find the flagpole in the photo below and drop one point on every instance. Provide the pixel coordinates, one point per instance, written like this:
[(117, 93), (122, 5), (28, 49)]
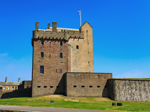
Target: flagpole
[(80, 18)]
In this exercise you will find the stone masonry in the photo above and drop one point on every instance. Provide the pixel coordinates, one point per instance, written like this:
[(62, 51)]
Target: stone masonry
[(129, 90), (87, 84), (57, 51)]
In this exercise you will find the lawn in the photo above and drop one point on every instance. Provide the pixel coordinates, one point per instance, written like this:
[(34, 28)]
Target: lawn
[(92, 103)]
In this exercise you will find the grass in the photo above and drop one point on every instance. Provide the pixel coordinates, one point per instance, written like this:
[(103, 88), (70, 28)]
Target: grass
[(92, 103)]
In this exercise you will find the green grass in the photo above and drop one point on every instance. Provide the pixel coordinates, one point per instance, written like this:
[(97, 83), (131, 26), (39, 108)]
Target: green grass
[(92, 103)]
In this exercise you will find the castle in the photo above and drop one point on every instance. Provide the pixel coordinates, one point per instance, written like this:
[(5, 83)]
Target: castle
[(63, 62)]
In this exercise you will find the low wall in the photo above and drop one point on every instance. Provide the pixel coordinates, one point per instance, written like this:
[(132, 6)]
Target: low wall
[(87, 84), (16, 93), (129, 90)]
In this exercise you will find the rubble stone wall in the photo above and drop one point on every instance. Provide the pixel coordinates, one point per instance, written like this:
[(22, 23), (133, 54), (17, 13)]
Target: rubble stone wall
[(129, 90)]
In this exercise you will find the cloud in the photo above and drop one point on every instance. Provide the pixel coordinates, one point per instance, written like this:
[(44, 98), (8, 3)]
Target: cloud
[(135, 74), (15, 68)]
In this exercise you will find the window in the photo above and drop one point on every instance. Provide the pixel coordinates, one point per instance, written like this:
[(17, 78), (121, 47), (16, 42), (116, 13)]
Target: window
[(60, 70), (49, 55), (98, 86), (13, 88), (77, 47), (61, 43), (38, 86), (56, 70), (42, 54), (45, 86), (61, 55), (51, 86), (90, 86), (42, 69), (4, 88), (42, 42), (8, 88)]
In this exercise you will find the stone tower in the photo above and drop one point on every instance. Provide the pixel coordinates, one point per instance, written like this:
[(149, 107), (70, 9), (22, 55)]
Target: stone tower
[(57, 51)]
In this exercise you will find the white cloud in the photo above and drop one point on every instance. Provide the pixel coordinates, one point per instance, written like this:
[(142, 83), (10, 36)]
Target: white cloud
[(135, 74)]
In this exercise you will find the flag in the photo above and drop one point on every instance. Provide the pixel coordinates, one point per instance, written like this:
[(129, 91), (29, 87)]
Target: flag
[(79, 11)]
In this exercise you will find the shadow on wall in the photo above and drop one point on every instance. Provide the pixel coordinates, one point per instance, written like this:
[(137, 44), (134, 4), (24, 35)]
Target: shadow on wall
[(61, 88), (17, 93), (105, 92)]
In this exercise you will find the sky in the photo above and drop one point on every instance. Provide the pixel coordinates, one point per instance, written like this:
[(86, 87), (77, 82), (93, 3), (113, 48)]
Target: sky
[(121, 34)]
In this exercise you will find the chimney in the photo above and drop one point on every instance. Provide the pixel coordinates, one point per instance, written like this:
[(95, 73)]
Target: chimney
[(48, 25), (37, 25), (6, 79), (54, 29), (19, 80)]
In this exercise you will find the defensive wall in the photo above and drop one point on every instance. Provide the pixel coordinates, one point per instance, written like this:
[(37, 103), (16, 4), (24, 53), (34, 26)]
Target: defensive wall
[(87, 84), (129, 90)]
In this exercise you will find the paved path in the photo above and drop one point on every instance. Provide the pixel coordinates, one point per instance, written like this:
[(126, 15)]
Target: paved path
[(38, 109)]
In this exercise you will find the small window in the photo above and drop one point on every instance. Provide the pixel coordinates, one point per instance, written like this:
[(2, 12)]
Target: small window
[(42, 54), (90, 86), (61, 43), (98, 86), (74, 86), (77, 47), (13, 88), (38, 86), (45, 86), (51, 86), (42, 42), (82, 86), (4, 88), (56, 70), (42, 69), (61, 55), (49, 55), (60, 70), (8, 88)]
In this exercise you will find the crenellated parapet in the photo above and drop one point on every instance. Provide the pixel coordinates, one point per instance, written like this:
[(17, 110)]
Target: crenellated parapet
[(54, 33)]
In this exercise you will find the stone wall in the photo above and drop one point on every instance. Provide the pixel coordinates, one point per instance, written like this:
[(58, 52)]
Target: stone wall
[(54, 67), (87, 84), (129, 90), (82, 58), (16, 93)]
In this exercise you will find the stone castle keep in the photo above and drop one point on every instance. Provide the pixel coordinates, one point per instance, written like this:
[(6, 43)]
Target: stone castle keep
[(63, 64)]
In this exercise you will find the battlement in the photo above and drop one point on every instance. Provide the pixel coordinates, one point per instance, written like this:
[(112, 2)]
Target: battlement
[(55, 33)]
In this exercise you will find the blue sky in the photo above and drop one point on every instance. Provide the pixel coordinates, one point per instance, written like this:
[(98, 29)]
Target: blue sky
[(121, 33)]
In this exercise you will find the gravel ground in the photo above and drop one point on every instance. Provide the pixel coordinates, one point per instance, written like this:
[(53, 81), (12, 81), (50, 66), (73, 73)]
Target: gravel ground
[(39, 109)]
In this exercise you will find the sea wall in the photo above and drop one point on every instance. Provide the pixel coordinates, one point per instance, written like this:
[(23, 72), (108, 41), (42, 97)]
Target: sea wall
[(129, 90)]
